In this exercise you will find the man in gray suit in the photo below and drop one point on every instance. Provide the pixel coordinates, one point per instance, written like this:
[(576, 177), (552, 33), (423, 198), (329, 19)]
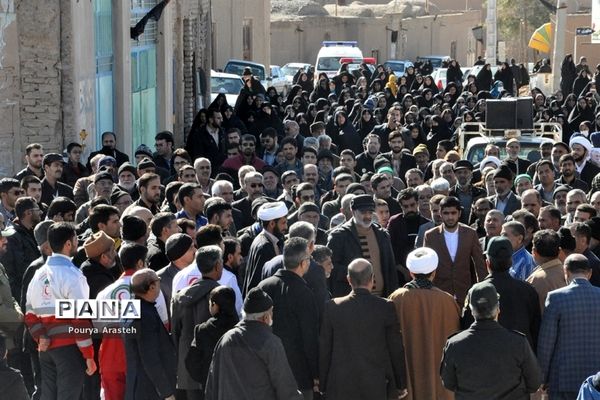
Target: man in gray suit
[(504, 200)]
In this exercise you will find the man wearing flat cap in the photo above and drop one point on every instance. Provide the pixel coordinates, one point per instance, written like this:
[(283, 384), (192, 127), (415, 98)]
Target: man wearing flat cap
[(101, 258), (421, 307), (504, 200), (249, 360), (488, 361), (464, 190), (267, 244), (51, 186), (360, 238)]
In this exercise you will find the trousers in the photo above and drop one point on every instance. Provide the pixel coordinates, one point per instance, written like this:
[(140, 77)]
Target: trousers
[(63, 372)]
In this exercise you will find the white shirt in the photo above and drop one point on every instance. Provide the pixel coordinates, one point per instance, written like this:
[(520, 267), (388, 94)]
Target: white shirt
[(451, 239), (191, 274)]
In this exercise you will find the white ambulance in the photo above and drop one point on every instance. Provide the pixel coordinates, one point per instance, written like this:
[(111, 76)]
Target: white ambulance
[(328, 59)]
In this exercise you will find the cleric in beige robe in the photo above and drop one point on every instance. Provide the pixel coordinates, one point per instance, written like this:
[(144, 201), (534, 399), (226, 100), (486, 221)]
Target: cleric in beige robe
[(427, 316)]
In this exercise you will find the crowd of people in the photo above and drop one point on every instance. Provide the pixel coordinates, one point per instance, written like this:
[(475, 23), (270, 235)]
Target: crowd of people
[(330, 244)]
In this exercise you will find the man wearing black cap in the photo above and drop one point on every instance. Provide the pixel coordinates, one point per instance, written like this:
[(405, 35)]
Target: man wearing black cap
[(51, 187), (180, 251), (249, 360), (309, 212), (567, 350), (464, 190), (487, 359), (305, 193), (103, 186), (518, 300), (360, 238), (504, 200)]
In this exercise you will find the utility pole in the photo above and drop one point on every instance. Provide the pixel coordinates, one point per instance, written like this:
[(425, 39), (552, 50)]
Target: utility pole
[(559, 42), (491, 33)]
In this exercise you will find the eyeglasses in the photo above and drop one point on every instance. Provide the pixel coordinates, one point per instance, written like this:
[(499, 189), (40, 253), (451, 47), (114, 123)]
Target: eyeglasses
[(255, 185), (17, 192)]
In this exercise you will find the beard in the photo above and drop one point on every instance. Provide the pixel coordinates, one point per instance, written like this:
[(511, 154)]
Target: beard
[(128, 186)]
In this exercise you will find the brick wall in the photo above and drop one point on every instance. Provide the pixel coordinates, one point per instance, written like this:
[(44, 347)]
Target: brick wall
[(40, 74)]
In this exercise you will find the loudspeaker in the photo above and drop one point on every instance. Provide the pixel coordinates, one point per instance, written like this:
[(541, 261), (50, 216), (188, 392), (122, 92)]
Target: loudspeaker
[(509, 113), (524, 113), (500, 114)]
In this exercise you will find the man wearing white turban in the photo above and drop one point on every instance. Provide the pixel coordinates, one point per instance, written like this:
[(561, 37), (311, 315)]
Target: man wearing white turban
[(580, 150), (427, 316)]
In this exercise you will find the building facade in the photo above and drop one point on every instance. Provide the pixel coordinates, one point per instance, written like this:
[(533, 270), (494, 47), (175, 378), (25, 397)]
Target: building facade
[(69, 69)]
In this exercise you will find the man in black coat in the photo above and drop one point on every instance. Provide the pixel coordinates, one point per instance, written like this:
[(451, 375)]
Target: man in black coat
[(151, 354), (249, 361), (394, 122), (51, 186), (22, 247), (189, 308), (209, 140), (361, 355), (403, 228), (109, 148), (359, 238), (580, 150), (100, 251), (488, 359), (518, 299), (254, 189), (267, 244), (295, 315), (400, 159), (163, 226)]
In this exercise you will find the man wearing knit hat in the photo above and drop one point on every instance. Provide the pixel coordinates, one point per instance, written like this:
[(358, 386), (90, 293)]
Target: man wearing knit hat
[(101, 258), (249, 360), (504, 200), (180, 250), (581, 149), (427, 310), (513, 149), (267, 244)]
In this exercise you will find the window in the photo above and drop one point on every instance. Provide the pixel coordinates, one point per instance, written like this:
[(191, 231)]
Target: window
[(104, 66), (247, 39), (143, 76)]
